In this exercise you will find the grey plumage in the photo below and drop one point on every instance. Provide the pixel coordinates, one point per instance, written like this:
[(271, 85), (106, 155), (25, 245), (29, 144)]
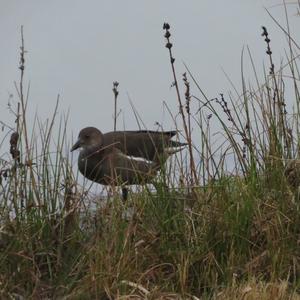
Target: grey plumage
[(123, 157)]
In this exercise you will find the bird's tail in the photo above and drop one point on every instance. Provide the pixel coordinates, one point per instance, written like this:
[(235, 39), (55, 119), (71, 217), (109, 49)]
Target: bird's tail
[(174, 147)]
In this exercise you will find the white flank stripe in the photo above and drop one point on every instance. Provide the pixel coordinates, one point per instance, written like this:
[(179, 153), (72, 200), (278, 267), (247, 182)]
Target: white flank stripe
[(136, 159)]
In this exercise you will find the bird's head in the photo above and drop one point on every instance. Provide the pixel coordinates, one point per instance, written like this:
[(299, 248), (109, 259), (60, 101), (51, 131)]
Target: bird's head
[(88, 137)]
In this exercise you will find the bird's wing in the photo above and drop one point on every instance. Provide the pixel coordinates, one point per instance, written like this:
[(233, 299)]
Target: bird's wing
[(133, 170), (142, 143)]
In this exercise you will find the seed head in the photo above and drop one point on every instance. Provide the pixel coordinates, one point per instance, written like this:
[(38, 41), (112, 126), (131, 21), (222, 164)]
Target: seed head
[(167, 34), (169, 45), (166, 26)]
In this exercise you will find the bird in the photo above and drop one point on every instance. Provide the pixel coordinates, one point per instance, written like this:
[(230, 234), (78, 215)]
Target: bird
[(124, 157)]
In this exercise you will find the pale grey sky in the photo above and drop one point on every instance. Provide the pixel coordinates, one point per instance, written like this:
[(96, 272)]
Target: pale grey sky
[(78, 48)]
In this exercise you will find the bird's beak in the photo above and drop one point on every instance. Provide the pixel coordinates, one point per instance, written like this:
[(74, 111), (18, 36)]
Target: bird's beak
[(76, 145)]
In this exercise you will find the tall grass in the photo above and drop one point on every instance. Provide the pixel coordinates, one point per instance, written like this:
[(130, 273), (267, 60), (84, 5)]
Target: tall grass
[(228, 229)]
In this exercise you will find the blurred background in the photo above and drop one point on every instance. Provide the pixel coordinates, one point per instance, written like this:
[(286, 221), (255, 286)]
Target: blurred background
[(77, 49)]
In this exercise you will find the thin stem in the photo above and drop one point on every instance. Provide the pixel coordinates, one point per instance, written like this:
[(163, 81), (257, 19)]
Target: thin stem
[(116, 93), (181, 111), (28, 161)]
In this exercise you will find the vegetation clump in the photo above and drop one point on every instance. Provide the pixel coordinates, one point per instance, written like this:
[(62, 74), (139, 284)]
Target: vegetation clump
[(227, 226)]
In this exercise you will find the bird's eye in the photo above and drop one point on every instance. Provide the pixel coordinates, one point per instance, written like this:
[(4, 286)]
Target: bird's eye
[(87, 136)]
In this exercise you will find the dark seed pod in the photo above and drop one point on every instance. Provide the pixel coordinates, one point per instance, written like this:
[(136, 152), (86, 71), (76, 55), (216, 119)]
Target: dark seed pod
[(14, 139), (15, 153), (166, 26), (169, 45), (167, 34)]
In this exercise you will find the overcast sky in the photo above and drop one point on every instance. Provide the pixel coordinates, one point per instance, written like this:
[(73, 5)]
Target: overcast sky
[(78, 48)]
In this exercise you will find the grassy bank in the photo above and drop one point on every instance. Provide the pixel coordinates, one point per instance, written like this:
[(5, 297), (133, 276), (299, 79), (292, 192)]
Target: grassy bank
[(227, 228)]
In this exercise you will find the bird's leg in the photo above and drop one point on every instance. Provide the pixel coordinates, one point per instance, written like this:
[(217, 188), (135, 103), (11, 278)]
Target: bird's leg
[(124, 194)]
